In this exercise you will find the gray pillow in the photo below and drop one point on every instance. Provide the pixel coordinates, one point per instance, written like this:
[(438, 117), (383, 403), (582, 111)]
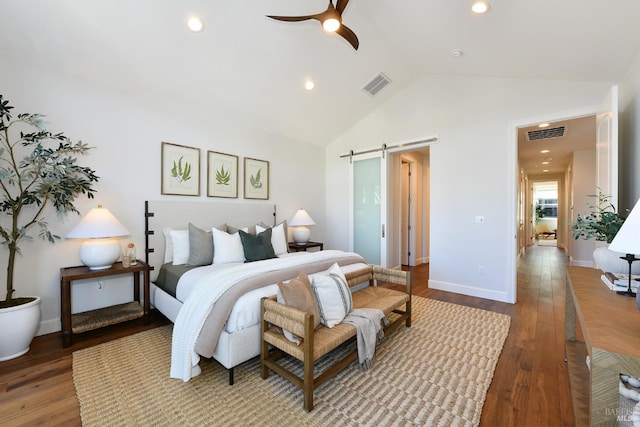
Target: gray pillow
[(200, 246)]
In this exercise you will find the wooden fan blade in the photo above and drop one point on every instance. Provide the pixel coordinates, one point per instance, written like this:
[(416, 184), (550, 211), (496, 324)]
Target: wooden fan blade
[(341, 5), (294, 18), (348, 35)]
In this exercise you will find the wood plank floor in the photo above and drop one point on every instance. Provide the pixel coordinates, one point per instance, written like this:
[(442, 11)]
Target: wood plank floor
[(530, 386)]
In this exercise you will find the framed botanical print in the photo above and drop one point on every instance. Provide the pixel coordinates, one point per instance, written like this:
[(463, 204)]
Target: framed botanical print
[(222, 175), (256, 179), (180, 170)]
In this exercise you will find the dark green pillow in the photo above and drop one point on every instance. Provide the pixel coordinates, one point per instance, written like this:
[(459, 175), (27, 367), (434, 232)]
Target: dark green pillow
[(257, 247)]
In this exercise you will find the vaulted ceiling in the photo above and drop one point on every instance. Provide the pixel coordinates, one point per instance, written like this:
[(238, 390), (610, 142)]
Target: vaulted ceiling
[(250, 67)]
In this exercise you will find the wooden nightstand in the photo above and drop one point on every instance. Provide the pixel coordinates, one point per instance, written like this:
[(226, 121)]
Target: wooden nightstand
[(94, 319), (297, 247)]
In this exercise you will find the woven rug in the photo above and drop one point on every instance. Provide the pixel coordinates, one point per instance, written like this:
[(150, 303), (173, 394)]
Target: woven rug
[(435, 373)]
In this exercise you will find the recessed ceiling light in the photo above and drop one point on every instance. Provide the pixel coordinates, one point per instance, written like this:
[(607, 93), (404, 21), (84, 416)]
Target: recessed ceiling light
[(543, 125), (308, 85), (456, 53), (195, 24), (545, 151), (545, 163), (480, 7)]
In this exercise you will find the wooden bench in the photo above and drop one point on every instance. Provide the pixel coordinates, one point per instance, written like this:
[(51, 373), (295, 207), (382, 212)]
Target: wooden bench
[(316, 343)]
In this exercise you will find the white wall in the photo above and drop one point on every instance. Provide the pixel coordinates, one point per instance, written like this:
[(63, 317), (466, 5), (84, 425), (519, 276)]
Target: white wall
[(470, 172), (127, 134), (584, 183), (629, 142)]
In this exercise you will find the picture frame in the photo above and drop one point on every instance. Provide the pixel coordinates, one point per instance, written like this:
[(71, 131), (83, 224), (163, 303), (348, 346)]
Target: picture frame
[(222, 175), (256, 179), (180, 170)]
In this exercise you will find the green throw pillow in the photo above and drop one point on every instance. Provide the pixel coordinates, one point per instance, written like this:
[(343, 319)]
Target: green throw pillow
[(257, 247)]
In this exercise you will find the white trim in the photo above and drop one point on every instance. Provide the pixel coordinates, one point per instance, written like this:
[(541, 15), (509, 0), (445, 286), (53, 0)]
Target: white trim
[(469, 290)]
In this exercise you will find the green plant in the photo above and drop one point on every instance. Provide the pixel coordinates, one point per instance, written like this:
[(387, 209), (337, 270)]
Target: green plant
[(34, 173), (602, 223), (222, 176), (256, 180), (539, 212), (180, 173)]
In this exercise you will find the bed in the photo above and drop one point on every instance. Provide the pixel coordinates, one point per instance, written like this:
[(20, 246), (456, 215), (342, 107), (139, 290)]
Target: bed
[(215, 306)]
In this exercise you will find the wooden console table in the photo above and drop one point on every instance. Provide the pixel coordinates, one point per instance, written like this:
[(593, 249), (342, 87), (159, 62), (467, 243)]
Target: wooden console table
[(610, 324), (89, 320)]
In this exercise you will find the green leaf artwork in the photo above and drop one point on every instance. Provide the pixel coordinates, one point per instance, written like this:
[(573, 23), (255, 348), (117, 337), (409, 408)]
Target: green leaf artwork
[(180, 172), (255, 180), (222, 177)]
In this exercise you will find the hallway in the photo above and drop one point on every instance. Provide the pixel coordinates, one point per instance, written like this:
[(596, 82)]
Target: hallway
[(530, 386)]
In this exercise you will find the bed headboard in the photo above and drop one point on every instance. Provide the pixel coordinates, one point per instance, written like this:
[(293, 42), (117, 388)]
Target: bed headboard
[(206, 215)]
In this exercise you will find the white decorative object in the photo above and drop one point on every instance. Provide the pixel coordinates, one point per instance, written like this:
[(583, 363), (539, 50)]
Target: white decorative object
[(300, 221), (24, 321), (100, 250), (611, 261)]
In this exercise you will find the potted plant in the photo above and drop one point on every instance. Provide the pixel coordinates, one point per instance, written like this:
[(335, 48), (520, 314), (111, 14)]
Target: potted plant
[(602, 224), (37, 168)]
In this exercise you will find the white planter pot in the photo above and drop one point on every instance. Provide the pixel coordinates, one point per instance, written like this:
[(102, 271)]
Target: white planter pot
[(18, 326), (609, 261)]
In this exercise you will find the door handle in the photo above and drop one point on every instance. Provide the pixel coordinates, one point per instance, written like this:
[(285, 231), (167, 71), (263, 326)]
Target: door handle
[(383, 231)]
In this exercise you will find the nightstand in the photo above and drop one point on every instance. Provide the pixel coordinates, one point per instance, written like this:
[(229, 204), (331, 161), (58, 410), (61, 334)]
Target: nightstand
[(94, 319), (297, 247)]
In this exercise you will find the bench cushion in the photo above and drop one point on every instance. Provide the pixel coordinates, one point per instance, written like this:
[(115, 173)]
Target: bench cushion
[(381, 298)]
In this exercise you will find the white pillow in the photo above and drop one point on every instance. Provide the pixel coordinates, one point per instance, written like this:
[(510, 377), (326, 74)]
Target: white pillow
[(278, 238), (168, 245), (180, 246), (228, 247), (332, 293)]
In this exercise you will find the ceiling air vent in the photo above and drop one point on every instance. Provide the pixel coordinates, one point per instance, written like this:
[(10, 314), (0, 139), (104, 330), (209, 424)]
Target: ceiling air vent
[(536, 135), (376, 84)]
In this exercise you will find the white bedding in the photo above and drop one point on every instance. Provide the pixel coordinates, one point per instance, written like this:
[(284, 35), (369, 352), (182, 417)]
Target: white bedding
[(246, 311), (210, 288)]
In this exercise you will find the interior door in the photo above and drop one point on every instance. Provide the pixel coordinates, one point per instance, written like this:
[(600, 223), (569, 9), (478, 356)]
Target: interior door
[(369, 207), (405, 217), (607, 147)]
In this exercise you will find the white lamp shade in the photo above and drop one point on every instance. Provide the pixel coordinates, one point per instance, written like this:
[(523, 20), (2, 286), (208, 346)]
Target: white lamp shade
[(98, 222), (627, 240), (300, 220), (99, 226)]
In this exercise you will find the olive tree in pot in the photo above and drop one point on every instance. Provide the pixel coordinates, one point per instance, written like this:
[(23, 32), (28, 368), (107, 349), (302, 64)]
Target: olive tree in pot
[(37, 168), (602, 224)]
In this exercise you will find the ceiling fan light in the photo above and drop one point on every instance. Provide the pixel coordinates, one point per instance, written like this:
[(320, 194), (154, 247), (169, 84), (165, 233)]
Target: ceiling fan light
[(331, 24)]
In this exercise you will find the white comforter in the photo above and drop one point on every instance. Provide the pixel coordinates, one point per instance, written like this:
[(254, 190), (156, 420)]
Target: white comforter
[(207, 290)]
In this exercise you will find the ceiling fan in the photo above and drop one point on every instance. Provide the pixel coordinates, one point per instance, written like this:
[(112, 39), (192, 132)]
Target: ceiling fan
[(331, 20)]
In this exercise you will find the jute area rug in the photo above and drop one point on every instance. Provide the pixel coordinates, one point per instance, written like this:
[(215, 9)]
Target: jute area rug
[(435, 373)]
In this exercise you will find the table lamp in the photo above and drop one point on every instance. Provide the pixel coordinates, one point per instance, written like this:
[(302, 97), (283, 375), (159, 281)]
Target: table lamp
[(301, 232), (627, 241), (100, 250)]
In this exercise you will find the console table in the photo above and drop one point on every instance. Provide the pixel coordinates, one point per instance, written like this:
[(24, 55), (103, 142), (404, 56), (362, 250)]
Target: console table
[(89, 320), (610, 324)]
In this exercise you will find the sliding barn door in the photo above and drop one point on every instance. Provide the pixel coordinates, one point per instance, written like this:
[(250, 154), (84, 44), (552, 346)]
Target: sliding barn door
[(369, 207)]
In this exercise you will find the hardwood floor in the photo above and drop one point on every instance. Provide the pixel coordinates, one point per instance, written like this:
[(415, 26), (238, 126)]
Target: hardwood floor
[(530, 386)]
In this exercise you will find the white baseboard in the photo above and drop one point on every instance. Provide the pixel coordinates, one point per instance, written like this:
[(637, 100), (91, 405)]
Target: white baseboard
[(468, 290), (580, 263), (49, 326)]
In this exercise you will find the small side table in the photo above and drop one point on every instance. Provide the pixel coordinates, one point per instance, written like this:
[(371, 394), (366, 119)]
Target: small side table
[(297, 247), (94, 319)]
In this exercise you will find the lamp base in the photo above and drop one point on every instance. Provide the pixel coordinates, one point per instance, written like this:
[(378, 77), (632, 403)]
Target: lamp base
[(626, 293), (301, 235), (99, 254)]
